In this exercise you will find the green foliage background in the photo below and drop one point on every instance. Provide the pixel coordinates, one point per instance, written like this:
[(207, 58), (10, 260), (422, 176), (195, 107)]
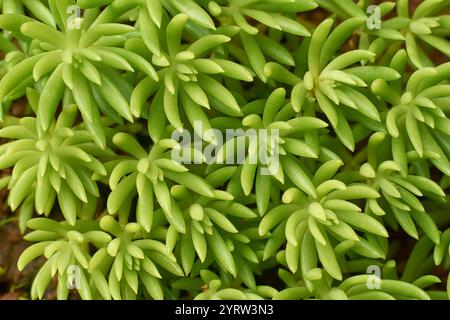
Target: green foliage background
[(363, 115)]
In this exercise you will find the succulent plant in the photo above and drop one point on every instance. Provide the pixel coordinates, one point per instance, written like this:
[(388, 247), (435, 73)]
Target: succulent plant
[(333, 84), (417, 117), (83, 59), (57, 163), (186, 78), (38, 9), (285, 137), (193, 149), (423, 25), (400, 193), (148, 174), (66, 248), (313, 221)]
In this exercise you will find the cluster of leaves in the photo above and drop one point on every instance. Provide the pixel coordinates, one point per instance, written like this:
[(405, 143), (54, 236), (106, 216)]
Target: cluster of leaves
[(363, 146)]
